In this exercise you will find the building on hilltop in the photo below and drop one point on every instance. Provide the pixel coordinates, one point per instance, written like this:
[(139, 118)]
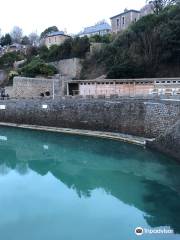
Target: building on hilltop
[(123, 20), (55, 38), (101, 28)]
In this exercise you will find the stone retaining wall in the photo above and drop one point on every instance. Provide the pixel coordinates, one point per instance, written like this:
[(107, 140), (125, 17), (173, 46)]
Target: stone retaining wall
[(169, 142), (140, 117), (147, 118), (24, 87)]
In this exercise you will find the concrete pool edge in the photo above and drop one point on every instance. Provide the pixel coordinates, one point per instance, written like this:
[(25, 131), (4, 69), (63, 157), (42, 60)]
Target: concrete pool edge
[(107, 135)]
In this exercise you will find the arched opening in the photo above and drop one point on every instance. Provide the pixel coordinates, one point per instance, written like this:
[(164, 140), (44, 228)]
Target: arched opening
[(47, 93)]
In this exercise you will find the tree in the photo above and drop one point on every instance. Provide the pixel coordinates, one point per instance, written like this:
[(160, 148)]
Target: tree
[(8, 59), (16, 34), (31, 52), (6, 40), (34, 38), (159, 5), (107, 38), (80, 46), (25, 40), (44, 53), (49, 30)]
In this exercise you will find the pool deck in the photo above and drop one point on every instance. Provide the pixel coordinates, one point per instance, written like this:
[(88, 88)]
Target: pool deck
[(108, 135)]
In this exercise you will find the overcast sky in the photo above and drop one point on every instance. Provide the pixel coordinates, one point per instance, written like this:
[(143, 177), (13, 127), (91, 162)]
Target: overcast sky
[(72, 15)]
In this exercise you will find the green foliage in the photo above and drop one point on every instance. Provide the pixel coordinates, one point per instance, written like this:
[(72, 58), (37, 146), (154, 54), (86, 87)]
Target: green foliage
[(49, 30), (80, 46), (12, 74), (71, 48), (6, 40), (146, 48), (31, 52), (126, 69), (101, 39), (37, 67), (8, 59), (159, 5), (25, 40)]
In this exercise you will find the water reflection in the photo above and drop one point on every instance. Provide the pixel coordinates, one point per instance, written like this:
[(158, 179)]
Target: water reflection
[(137, 177)]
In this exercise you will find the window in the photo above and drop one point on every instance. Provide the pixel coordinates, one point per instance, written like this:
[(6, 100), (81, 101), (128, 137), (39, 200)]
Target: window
[(123, 20), (49, 40), (55, 39), (117, 22)]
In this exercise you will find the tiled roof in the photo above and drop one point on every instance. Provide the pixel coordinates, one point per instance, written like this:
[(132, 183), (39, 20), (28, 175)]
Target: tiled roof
[(96, 28), (123, 13), (55, 34)]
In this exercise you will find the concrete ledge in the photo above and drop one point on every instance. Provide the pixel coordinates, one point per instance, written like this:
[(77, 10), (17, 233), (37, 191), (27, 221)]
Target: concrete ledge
[(108, 135)]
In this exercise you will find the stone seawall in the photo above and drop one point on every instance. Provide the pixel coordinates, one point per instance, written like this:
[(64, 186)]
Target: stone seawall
[(169, 142), (145, 118)]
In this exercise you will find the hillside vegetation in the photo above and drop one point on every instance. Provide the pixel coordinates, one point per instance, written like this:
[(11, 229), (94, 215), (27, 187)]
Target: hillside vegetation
[(149, 48)]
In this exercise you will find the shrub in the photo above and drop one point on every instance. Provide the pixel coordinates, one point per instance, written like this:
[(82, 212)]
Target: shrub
[(37, 67), (71, 48), (8, 59)]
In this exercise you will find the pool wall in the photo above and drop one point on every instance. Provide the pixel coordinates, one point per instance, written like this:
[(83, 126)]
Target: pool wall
[(140, 117)]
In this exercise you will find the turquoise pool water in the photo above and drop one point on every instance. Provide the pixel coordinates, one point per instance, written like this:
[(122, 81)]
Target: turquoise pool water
[(65, 187)]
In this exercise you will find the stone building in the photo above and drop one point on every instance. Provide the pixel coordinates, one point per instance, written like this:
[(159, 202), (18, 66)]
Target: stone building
[(101, 28), (24, 87), (123, 20), (55, 38)]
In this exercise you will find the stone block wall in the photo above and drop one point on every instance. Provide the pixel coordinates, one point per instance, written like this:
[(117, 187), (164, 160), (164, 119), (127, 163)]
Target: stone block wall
[(70, 67), (32, 87), (169, 142), (131, 116)]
